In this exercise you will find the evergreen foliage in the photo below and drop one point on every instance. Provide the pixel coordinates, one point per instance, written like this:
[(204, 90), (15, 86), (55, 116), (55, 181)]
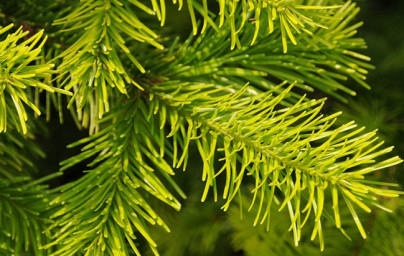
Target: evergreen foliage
[(237, 94)]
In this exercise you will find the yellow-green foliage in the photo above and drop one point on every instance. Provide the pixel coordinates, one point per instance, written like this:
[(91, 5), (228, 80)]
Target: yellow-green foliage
[(235, 92)]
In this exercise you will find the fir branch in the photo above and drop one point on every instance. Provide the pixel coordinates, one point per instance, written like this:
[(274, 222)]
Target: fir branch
[(17, 75), (24, 206), (294, 150), (92, 64), (114, 208), (24, 203)]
